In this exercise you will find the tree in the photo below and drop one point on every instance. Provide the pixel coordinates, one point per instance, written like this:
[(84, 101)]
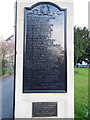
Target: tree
[(11, 47), (81, 42), (3, 48), (5, 66), (88, 51)]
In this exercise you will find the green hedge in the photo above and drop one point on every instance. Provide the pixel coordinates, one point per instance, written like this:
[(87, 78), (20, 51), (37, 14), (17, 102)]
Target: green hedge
[(5, 68)]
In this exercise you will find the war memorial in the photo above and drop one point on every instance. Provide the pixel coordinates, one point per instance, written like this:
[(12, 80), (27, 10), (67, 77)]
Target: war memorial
[(44, 71)]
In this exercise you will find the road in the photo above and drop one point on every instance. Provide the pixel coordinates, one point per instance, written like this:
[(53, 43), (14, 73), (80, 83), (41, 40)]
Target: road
[(7, 96)]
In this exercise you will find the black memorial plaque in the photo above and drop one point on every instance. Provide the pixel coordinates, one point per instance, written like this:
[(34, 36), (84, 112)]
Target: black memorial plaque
[(45, 64), (44, 109)]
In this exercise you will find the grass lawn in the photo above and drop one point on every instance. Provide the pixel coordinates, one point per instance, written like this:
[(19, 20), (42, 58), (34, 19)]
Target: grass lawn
[(81, 92)]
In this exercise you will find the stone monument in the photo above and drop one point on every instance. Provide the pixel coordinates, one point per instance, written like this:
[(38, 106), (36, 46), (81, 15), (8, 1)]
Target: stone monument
[(44, 79)]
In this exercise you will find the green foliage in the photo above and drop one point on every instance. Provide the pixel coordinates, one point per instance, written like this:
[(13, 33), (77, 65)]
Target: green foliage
[(81, 44), (5, 68), (81, 93), (88, 51)]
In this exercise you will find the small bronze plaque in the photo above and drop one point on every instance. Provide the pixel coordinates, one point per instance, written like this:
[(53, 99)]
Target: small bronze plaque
[(44, 109)]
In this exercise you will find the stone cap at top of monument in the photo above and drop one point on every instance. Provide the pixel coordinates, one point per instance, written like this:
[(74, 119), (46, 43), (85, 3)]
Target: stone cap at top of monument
[(44, 1)]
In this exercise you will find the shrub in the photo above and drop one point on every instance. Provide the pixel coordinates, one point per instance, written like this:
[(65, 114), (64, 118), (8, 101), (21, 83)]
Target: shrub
[(5, 67)]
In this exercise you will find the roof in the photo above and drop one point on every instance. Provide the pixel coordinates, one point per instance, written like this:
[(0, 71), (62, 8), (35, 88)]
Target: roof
[(9, 38)]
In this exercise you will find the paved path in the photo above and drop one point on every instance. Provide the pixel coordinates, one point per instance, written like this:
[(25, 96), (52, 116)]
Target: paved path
[(7, 96)]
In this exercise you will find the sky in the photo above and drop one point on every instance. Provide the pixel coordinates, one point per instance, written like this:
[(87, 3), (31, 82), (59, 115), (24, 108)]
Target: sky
[(7, 16)]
